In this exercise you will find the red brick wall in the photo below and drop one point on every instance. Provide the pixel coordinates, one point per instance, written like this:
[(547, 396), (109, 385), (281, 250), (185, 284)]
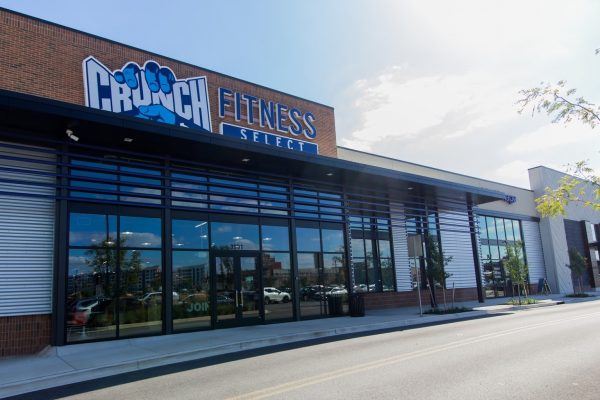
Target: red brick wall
[(45, 60), (24, 334), (374, 301)]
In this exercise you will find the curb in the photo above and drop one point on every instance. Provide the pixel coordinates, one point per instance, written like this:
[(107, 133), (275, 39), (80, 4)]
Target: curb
[(75, 376)]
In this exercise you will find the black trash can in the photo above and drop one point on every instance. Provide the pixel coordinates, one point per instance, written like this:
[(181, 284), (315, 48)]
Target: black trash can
[(335, 306), (357, 305)]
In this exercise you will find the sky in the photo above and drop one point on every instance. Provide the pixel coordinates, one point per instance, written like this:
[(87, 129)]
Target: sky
[(429, 82)]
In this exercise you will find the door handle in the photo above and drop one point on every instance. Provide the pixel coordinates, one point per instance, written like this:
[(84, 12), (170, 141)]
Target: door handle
[(241, 299), (236, 299)]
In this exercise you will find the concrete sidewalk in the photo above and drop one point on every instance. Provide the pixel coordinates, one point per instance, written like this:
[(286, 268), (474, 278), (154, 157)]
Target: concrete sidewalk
[(64, 365)]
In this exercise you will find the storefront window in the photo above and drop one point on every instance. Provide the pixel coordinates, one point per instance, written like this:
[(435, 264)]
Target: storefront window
[(114, 282), (371, 253), (495, 235)]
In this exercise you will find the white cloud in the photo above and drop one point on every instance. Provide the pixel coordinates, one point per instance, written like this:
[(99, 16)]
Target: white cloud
[(552, 136), (392, 106)]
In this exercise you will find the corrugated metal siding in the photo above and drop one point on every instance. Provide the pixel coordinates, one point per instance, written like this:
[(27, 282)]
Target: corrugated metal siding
[(457, 244), (533, 250), (400, 242), (26, 232)]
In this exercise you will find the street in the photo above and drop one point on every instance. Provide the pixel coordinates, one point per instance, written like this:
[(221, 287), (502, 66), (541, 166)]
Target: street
[(545, 353)]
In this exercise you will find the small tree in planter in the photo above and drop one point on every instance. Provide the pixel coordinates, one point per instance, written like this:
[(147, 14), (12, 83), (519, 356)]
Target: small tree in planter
[(578, 266), (435, 269), (515, 267)]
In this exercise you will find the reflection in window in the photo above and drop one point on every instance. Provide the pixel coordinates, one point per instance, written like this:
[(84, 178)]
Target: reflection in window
[(191, 290), (99, 260), (232, 236), (308, 239), (333, 240), (189, 234), (141, 232), (278, 286), (371, 253), (275, 238)]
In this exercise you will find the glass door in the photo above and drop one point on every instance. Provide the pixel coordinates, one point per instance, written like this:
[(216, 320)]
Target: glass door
[(237, 284)]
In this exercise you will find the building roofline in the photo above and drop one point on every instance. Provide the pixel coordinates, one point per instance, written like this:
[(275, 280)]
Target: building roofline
[(71, 111), (160, 55), (436, 169)]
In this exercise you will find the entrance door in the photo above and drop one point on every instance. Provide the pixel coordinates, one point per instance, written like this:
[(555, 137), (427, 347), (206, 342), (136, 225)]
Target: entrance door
[(237, 284)]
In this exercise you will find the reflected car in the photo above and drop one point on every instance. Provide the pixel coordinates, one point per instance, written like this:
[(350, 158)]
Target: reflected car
[(156, 298), (337, 291), (271, 294), (222, 299), (79, 312)]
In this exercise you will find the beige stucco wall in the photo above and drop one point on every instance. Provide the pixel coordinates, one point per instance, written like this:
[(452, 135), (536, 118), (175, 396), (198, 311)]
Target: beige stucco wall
[(525, 204)]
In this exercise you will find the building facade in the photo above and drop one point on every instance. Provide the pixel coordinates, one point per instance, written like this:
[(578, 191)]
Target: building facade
[(142, 195)]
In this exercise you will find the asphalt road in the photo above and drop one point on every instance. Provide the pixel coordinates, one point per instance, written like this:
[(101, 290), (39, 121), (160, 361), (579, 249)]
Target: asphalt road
[(546, 353)]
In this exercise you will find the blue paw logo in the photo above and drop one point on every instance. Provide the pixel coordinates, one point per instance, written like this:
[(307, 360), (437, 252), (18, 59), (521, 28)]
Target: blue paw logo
[(149, 92)]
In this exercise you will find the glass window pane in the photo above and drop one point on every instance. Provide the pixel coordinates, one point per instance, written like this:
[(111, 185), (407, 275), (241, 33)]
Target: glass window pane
[(334, 273), (482, 227), (277, 281), (517, 229), (358, 248), (307, 239), (494, 253), (485, 253), (500, 229), (189, 196), (140, 232), (187, 177), (305, 199), (359, 273), (109, 167), (509, 230), (90, 174), (312, 293), (384, 249), (188, 204), (92, 229), (140, 303), (87, 195), (93, 185), (91, 284), (333, 240), (275, 238), (387, 274), (229, 182), (190, 234), (491, 228), (191, 290), (232, 236)]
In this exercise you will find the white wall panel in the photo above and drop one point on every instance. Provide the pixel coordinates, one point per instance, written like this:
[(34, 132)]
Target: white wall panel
[(26, 233)]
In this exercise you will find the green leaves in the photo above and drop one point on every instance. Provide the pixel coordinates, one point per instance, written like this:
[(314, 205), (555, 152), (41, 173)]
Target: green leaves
[(558, 103), (571, 189)]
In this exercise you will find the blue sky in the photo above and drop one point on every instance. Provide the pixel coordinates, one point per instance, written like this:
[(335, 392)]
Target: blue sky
[(431, 82)]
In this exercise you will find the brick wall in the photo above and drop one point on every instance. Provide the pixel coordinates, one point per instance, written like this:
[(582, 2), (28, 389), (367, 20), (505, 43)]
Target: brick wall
[(374, 301), (24, 334), (45, 60)]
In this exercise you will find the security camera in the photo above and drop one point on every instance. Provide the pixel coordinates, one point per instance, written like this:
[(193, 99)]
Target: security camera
[(71, 135)]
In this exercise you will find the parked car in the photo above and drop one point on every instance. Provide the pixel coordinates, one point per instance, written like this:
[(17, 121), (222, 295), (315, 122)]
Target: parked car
[(272, 294)]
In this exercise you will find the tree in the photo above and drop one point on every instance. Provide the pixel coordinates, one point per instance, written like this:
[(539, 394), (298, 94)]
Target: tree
[(435, 269), (515, 267), (563, 106), (578, 266)]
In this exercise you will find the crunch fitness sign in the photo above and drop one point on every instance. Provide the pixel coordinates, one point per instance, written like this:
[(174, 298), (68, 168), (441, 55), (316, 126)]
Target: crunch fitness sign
[(153, 92), (150, 92)]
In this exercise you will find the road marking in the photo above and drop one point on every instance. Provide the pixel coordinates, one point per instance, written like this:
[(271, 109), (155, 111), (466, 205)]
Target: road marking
[(342, 372)]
